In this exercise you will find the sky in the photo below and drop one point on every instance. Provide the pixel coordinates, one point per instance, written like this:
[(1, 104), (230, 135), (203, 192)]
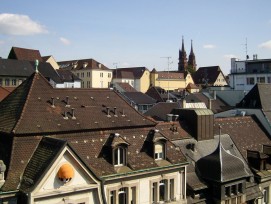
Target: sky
[(124, 33)]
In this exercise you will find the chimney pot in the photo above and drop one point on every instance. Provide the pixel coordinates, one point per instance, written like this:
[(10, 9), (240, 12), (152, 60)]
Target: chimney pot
[(73, 115), (53, 102)]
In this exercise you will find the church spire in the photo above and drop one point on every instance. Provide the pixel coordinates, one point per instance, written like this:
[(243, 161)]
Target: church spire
[(182, 65), (192, 59)]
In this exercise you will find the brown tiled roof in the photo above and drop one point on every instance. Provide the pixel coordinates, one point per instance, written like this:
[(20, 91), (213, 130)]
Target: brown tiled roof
[(192, 86), (246, 132), (34, 97), (67, 75), (210, 73), (3, 93), (126, 87), (170, 75), (24, 54), (139, 98), (78, 64), (130, 73), (22, 150)]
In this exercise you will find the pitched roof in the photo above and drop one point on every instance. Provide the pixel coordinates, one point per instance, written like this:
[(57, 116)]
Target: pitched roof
[(160, 110), (3, 93), (82, 64), (246, 132), (139, 98), (34, 97), (160, 94), (170, 75), (208, 73), (67, 75), (24, 54), (125, 87), (130, 73)]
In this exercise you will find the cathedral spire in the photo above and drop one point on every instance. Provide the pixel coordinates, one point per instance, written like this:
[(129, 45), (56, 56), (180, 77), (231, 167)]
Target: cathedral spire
[(182, 65), (192, 59)]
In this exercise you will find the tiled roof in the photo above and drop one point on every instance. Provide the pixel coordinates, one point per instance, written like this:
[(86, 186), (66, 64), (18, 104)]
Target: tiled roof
[(246, 132), (160, 94), (34, 97), (46, 152), (24, 54), (79, 64), (170, 75), (160, 110), (22, 150), (139, 98), (126, 87), (3, 93), (130, 73), (210, 73)]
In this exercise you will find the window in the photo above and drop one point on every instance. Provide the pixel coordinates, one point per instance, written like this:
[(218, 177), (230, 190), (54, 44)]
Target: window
[(13, 82), (88, 74), (7, 82), (101, 74), (123, 195), (265, 195), (109, 75), (228, 191), (260, 80), (154, 192), (250, 81), (233, 190), (159, 151), (162, 190), (112, 197), (88, 84), (240, 188), (269, 80), (82, 75), (171, 188), (83, 84), (119, 156), (77, 74)]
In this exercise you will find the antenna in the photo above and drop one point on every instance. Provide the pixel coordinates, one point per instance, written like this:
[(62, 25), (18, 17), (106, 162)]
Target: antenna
[(168, 63), (116, 64), (247, 57)]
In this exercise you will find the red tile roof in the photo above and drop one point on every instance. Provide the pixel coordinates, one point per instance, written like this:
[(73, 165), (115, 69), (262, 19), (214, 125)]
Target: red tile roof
[(24, 54), (79, 64), (129, 73), (3, 93)]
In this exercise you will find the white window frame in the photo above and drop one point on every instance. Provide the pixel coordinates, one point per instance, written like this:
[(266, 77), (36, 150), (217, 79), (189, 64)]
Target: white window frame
[(117, 158)]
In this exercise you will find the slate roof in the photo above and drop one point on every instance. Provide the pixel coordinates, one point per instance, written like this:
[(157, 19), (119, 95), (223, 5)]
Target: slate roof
[(224, 166), (129, 73), (78, 64), (67, 75), (258, 98), (34, 97), (24, 54), (160, 94), (211, 73), (22, 68), (160, 110), (246, 132), (139, 98)]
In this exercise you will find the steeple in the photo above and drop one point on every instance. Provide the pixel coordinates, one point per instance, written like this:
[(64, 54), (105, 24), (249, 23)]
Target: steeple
[(192, 59), (182, 65)]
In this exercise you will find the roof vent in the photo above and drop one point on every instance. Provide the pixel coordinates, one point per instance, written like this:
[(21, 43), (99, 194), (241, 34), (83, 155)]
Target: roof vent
[(67, 101), (73, 115), (107, 111), (53, 102), (65, 115), (115, 111)]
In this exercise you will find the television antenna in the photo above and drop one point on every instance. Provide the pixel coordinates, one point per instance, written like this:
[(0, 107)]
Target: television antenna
[(247, 57), (116, 66), (168, 64)]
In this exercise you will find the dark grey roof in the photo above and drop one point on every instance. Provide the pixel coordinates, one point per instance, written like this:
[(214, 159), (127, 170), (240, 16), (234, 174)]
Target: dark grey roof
[(67, 75), (22, 68), (139, 98)]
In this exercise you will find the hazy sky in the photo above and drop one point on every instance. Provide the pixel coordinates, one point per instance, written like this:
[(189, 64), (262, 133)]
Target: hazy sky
[(138, 33)]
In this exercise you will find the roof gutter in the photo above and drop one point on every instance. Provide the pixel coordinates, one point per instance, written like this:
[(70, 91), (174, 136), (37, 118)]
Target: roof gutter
[(139, 172)]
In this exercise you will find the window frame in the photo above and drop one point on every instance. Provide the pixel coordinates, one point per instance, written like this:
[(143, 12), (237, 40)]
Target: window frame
[(119, 156)]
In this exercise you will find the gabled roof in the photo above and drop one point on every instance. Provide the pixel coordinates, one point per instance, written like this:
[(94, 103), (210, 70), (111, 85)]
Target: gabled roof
[(160, 110), (139, 98), (34, 97), (79, 64), (170, 75), (208, 73), (129, 73), (24, 54), (160, 94), (126, 87)]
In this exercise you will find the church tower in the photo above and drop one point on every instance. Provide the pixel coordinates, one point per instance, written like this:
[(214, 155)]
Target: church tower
[(182, 65), (192, 59)]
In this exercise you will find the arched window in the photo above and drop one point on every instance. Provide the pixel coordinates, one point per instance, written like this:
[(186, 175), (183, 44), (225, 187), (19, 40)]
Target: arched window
[(159, 151), (120, 156)]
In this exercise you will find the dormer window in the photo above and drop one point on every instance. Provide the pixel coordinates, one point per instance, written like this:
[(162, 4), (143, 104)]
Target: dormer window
[(120, 156), (159, 151)]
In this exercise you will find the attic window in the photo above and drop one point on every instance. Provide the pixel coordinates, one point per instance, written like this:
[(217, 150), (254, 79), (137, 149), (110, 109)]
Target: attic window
[(120, 156), (159, 150)]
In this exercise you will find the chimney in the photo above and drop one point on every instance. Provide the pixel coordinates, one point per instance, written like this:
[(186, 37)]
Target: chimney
[(65, 115), (67, 101), (107, 111), (210, 103), (115, 111), (73, 115), (53, 102)]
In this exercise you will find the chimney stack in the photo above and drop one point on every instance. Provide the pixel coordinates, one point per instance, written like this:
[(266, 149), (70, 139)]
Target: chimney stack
[(67, 101)]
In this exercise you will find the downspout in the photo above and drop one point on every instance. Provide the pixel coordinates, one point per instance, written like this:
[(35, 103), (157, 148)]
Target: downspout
[(103, 193)]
